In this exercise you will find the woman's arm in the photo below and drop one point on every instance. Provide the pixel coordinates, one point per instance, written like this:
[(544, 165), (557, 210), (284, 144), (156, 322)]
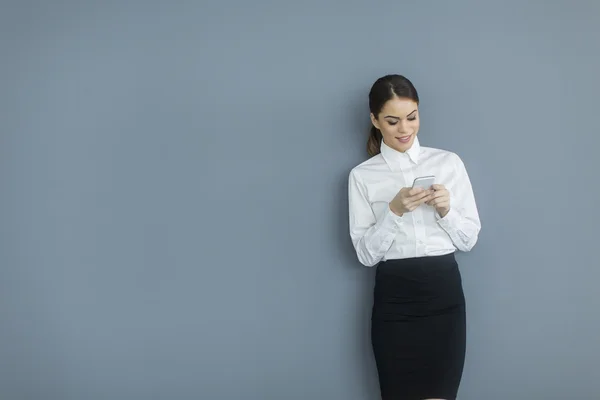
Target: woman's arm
[(371, 238), (461, 221)]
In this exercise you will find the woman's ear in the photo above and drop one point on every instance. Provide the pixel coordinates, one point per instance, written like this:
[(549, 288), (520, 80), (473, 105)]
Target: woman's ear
[(374, 121)]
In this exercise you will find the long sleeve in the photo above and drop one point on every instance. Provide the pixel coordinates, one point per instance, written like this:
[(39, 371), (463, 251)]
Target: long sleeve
[(371, 238), (462, 221)]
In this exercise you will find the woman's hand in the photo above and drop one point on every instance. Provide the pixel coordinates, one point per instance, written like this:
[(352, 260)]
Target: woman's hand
[(440, 200), (409, 199)]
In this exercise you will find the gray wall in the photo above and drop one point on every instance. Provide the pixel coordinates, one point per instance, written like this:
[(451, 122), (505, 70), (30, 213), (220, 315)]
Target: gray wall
[(173, 193)]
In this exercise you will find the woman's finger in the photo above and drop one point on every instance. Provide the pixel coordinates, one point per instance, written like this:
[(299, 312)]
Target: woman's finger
[(416, 203), (417, 198), (439, 193), (443, 204)]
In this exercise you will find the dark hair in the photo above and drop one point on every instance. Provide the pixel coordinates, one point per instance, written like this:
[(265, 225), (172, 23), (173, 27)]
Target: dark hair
[(384, 89)]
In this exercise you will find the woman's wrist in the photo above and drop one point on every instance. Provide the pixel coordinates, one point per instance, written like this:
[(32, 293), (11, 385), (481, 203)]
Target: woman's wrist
[(398, 213), (443, 212)]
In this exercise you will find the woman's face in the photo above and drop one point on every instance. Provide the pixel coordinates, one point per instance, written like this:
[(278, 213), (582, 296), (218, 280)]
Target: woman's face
[(398, 122)]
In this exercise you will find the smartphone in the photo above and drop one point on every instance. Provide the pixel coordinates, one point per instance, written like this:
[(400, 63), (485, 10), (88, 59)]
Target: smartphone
[(424, 182)]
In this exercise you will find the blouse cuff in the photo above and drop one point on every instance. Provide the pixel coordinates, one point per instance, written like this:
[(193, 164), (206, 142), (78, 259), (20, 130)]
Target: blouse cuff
[(450, 220)]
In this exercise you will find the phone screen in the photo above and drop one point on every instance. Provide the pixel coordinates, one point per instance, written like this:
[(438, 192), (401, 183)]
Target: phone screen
[(424, 182)]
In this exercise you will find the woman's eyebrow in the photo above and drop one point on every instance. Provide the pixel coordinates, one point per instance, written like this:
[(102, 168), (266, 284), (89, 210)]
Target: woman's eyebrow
[(391, 116)]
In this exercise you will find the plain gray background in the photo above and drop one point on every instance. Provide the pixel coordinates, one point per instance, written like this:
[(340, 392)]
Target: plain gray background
[(174, 211)]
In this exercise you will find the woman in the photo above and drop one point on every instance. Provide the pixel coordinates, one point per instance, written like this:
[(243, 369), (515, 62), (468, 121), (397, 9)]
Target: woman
[(418, 320)]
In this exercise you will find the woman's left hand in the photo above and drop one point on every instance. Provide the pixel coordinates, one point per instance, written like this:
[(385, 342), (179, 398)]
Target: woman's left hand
[(440, 200)]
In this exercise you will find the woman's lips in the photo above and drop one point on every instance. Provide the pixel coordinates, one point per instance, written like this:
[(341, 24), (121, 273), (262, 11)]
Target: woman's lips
[(404, 139)]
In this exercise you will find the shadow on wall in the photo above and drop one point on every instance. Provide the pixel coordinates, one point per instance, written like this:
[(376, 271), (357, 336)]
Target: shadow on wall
[(361, 301), (364, 277), (359, 123)]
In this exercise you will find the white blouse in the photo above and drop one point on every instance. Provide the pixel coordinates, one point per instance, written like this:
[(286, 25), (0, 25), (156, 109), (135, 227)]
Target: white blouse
[(378, 234)]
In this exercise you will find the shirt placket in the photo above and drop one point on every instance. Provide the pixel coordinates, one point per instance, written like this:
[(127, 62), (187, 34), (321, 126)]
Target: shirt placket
[(420, 233), (417, 216), (408, 174)]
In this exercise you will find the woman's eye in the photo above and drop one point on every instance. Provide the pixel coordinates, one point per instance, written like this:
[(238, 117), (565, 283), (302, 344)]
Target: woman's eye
[(412, 119), (392, 123)]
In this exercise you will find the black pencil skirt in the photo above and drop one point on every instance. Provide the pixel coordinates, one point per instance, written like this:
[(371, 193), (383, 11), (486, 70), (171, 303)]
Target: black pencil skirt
[(418, 328)]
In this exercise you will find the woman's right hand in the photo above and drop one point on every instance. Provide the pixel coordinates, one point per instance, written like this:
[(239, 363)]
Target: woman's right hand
[(409, 199)]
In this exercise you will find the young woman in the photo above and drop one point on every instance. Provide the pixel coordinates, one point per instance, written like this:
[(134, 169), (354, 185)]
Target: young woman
[(411, 234)]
